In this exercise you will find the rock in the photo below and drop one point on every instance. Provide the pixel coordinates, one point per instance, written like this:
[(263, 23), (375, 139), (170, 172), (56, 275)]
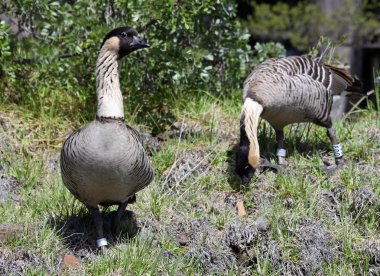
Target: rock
[(362, 201), (212, 261), (183, 239), (241, 235), (9, 231), (70, 261)]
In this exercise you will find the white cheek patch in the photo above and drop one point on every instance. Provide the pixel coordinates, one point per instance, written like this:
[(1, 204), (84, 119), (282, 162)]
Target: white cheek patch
[(338, 152)]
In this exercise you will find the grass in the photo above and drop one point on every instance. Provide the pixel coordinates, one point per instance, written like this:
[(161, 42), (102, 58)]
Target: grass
[(314, 222)]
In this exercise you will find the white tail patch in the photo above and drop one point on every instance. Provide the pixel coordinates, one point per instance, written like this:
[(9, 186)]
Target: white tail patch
[(251, 112)]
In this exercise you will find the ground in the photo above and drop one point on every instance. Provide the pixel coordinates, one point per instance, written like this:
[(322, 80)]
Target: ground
[(300, 220)]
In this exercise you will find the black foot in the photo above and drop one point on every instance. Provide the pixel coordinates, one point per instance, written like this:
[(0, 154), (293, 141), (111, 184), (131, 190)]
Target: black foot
[(266, 165), (115, 223), (118, 215)]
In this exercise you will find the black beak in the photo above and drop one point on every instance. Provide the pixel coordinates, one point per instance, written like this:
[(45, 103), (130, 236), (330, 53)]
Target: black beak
[(138, 43)]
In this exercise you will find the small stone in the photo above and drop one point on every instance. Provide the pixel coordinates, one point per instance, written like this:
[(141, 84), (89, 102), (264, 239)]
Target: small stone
[(262, 224), (9, 231), (183, 239)]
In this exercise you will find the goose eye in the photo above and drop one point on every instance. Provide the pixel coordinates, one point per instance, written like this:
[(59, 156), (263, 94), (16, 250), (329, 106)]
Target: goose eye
[(123, 34)]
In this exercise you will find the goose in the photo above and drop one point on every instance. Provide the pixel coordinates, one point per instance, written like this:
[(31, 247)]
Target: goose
[(283, 91), (104, 163)]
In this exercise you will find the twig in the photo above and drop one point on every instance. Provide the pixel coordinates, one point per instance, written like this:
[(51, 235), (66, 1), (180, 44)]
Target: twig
[(355, 106), (176, 153), (324, 52)]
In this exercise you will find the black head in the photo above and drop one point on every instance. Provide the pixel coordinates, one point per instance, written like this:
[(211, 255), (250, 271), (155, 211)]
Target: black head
[(243, 168), (123, 40)]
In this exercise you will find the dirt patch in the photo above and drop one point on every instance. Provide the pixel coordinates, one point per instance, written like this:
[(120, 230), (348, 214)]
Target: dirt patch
[(241, 235), (151, 144), (315, 245), (9, 187), (19, 261), (204, 242), (331, 203), (189, 166), (10, 232), (52, 162), (363, 200), (211, 260), (252, 244), (371, 249), (185, 130)]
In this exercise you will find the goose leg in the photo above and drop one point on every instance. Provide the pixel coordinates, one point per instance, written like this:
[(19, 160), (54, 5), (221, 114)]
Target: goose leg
[(281, 152), (337, 148), (119, 213), (96, 216)]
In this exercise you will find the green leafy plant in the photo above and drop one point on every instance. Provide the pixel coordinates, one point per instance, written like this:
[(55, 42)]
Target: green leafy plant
[(301, 24), (198, 47)]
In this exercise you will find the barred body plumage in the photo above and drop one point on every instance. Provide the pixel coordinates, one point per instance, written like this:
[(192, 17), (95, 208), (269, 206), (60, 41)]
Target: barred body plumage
[(284, 91)]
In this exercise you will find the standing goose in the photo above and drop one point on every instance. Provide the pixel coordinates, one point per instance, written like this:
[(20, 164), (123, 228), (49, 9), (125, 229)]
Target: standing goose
[(105, 163), (285, 91)]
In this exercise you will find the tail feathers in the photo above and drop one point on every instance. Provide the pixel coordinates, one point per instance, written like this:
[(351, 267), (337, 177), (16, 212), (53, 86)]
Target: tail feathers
[(342, 80), (251, 112), (357, 86)]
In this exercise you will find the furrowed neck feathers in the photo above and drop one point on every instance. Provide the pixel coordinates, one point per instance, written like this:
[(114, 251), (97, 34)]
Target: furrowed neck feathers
[(110, 99)]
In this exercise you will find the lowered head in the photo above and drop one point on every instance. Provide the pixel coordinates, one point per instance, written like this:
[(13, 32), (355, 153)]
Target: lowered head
[(243, 168), (122, 41)]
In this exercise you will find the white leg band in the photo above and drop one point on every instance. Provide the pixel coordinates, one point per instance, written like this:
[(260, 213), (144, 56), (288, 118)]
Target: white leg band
[(338, 152), (101, 242), (281, 152)]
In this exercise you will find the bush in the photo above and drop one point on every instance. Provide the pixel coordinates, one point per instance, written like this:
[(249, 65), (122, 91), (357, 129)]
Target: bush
[(198, 48), (301, 24)]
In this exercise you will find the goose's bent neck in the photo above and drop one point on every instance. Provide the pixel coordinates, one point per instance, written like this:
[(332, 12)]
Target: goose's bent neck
[(110, 99)]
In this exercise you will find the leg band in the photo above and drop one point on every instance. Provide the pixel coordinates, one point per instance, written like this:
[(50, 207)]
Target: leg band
[(338, 152), (281, 152), (101, 242)]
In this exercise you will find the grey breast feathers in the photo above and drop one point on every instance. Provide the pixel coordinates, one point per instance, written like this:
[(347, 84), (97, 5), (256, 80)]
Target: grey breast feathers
[(296, 89), (105, 158)]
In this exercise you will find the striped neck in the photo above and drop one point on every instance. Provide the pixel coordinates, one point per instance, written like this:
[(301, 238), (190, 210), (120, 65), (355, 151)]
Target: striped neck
[(110, 99)]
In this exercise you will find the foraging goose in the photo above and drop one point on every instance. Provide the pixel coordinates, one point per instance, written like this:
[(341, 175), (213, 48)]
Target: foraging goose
[(285, 91), (105, 163)]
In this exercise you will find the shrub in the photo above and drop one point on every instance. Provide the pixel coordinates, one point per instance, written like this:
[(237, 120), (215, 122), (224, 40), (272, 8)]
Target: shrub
[(198, 48), (302, 23)]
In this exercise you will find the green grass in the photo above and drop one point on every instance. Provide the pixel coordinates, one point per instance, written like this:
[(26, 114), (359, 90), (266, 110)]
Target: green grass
[(341, 210)]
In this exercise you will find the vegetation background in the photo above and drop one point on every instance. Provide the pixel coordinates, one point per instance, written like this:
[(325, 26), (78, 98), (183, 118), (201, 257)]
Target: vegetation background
[(183, 94)]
